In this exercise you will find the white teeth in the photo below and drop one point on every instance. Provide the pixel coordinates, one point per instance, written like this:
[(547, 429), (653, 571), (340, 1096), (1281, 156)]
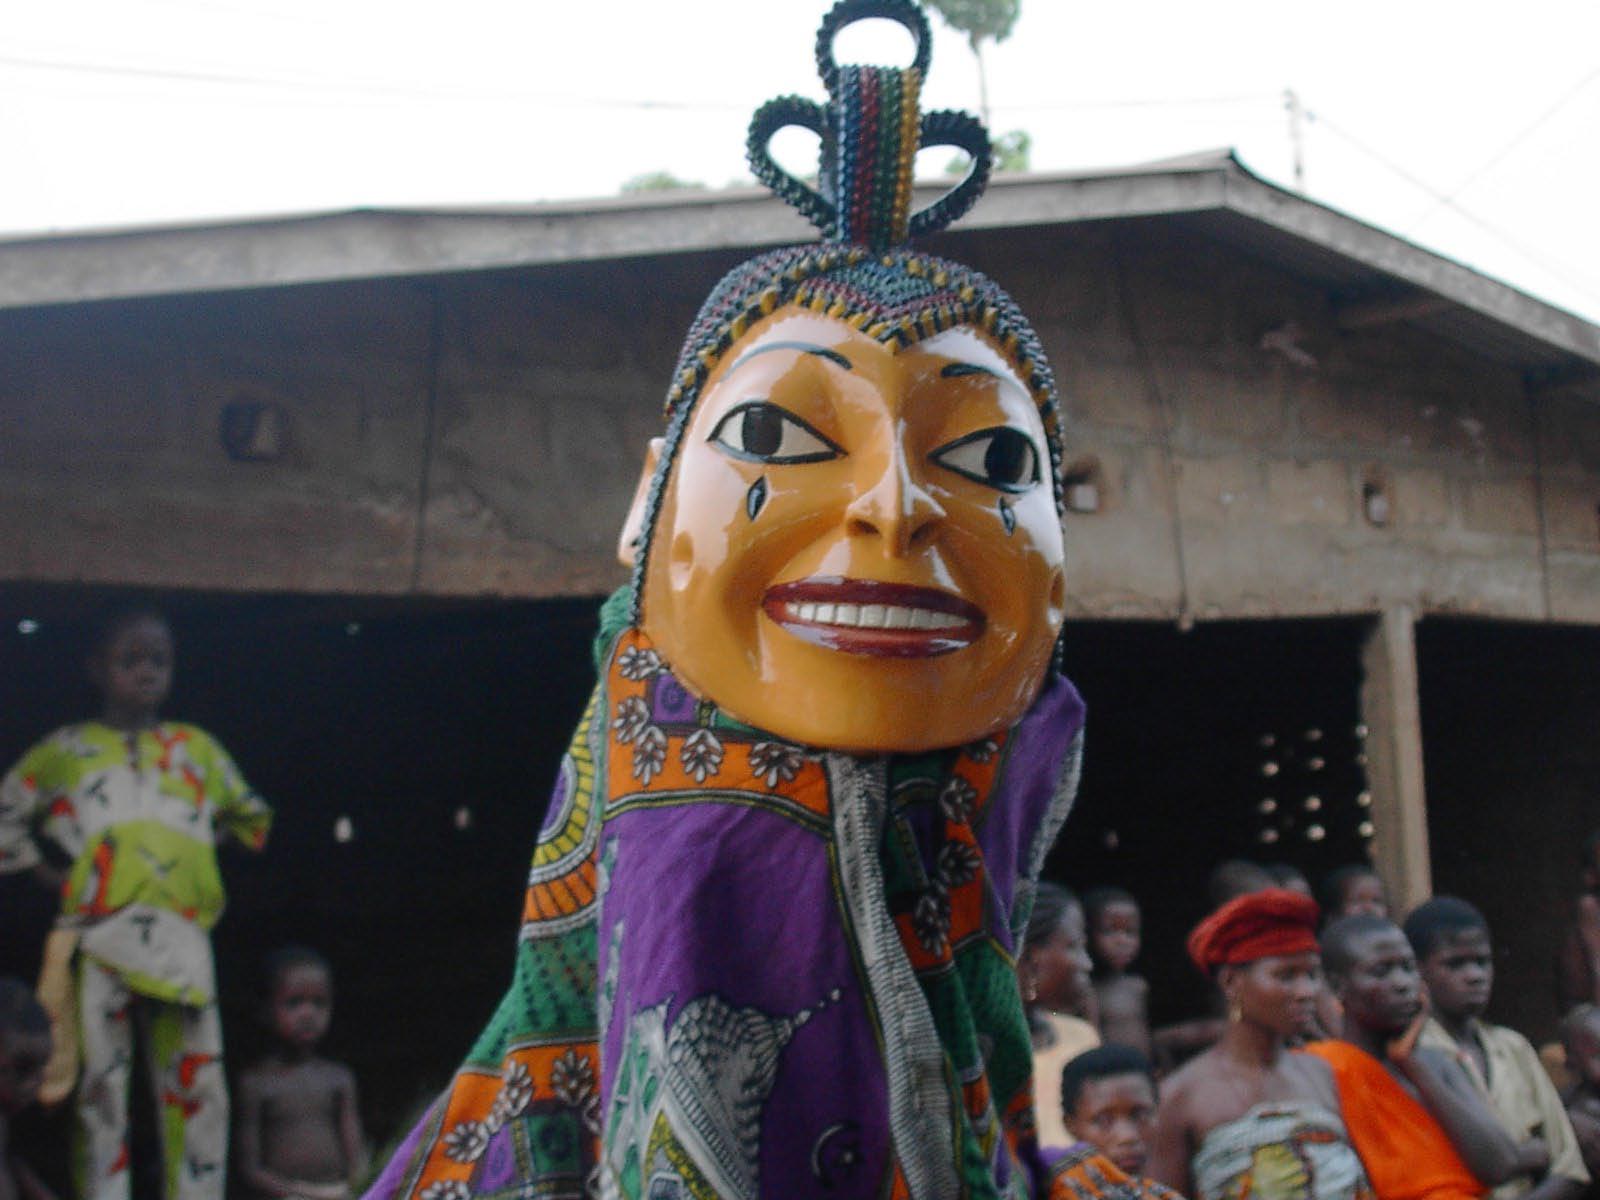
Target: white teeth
[(873, 616)]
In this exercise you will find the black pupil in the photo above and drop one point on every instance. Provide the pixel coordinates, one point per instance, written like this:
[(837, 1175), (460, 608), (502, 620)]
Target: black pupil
[(761, 430), (1009, 458)]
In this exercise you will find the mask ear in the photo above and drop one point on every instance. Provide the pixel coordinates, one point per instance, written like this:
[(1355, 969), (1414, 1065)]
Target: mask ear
[(633, 527)]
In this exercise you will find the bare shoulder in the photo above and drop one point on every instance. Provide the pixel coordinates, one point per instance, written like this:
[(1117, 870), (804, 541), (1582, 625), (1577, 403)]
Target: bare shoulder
[(1177, 1088)]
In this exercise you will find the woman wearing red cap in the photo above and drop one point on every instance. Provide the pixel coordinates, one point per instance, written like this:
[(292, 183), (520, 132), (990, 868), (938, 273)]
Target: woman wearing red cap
[(1250, 1117)]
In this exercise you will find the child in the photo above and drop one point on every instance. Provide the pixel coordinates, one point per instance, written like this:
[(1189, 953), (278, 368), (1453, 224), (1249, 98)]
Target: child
[(24, 1050), (1109, 1097), (1122, 998), (1451, 941), (135, 806), (298, 1132), (1053, 974), (1580, 1033), (1352, 889)]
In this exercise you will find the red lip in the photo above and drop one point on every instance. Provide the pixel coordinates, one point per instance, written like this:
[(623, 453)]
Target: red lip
[(919, 622)]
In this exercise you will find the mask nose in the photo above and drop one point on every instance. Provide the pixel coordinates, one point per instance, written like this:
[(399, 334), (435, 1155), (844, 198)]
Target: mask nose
[(893, 505)]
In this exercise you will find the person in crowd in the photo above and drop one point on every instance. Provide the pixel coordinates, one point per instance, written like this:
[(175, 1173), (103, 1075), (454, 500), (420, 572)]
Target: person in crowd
[(135, 806), (24, 1050), (1109, 1097), (1053, 972), (1580, 1035), (1578, 967), (1290, 877), (1176, 1043), (1250, 1117), (1420, 1125), (298, 1132), (1451, 941), (1235, 877), (1122, 998), (1354, 888)]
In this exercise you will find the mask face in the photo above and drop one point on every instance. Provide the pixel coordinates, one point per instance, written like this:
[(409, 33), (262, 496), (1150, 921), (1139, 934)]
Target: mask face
[(858, 546)]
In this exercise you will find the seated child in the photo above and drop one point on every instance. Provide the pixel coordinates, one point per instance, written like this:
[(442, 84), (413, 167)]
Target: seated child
[(1109, 1097), (1122, 998), (1580, 1033), (298, 1131), (1352, 889), (24, 1050), (1291, 878)]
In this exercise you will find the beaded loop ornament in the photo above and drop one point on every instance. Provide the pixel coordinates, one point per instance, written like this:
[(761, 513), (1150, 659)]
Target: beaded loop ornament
[(870, 130), (862, 272)]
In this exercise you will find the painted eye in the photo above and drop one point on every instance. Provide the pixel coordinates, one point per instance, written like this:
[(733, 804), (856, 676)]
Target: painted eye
[(763, 432), (1002, 457)]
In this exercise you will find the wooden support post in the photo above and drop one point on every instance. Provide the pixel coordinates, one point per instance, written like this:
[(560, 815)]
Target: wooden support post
[(1392, 711)]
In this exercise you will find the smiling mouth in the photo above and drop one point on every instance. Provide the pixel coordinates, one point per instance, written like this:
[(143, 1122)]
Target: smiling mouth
[(873, 618)]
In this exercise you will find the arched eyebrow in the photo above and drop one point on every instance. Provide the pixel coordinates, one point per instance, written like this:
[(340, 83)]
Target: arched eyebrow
[(832, 356), (957, 369)]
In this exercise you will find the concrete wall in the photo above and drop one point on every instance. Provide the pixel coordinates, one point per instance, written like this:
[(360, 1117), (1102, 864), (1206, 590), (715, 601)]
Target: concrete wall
[(482, 434)]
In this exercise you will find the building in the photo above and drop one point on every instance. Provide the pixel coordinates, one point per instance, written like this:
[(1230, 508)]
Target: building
[(1334, 547)]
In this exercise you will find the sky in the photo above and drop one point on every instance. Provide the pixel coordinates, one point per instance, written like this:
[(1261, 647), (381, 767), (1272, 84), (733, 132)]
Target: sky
[(1474, 136)]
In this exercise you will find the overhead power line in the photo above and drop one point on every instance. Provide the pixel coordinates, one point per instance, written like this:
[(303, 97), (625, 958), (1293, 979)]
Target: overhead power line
[(1501, 154), (1558, 271)]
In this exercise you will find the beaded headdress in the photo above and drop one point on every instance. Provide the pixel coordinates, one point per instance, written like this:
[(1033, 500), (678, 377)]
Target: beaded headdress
[(862, 272)]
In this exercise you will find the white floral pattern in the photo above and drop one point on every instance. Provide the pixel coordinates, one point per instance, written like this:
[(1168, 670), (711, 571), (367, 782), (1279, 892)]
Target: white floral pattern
[(957, 799), (649, 754), (446, 1189), (775, 761), (467, 1141), (982, 750), (632, 719), (701, 754), (957, 864), (572, 1078), (516, 1092), (931, 920), (639, 664)]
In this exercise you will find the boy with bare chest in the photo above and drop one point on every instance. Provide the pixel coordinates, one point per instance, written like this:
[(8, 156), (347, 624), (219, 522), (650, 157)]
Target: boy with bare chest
[(299, 1130)]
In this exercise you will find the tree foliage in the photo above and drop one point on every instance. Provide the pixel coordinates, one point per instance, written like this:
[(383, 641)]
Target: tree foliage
[(1011, 152), (660, 181), (979, 19)]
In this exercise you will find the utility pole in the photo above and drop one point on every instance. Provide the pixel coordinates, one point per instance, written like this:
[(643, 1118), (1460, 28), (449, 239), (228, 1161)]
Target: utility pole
[(1297, 116)]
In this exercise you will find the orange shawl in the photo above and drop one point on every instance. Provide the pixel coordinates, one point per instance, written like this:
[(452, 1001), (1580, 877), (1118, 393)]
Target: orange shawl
[(1407, 1153)]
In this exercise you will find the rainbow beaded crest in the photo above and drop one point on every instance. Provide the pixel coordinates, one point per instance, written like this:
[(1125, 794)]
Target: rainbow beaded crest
[(871, 130)]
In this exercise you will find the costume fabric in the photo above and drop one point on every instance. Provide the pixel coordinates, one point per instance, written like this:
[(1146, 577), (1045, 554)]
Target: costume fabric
[(1407, 1154), (1263, 924), (1070, 1036), (138, 815), (1519, 1090), (750, 968), (1280, 1150)]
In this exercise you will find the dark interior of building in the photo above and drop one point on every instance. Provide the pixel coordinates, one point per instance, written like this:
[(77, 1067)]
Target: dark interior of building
[(407, 748), (1509, 720)]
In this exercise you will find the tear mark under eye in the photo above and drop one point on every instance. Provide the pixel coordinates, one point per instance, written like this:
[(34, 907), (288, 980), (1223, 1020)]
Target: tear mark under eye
[(755, 497), (1007, 517)]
